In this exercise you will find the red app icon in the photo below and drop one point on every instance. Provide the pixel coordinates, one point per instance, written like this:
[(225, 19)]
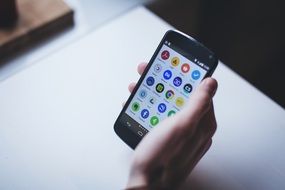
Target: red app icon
[(185, 68), (165, 55)]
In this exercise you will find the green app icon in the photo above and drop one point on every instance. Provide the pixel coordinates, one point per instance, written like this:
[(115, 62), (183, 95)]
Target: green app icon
[(171, 113), (135, 106), (159, 87), (154, 120)]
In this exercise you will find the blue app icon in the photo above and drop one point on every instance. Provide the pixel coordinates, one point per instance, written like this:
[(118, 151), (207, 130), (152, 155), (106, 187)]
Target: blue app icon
[(142, 93), (196, 74), (161, 108), (177, 81), (150, 81), (167, 74), (144, 113)]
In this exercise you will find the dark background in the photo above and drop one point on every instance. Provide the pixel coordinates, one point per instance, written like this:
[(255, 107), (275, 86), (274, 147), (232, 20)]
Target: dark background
[(247, 35)]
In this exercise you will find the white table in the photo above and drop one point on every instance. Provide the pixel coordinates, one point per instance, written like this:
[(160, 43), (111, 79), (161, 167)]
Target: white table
[(57, 118)]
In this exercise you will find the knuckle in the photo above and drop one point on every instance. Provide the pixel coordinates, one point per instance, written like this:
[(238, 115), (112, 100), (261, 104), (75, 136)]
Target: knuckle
[(205, 99), (209, 144), (211, 130), (214, 125)]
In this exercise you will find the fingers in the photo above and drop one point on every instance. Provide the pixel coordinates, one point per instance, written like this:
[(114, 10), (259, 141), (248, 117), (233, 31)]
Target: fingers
[(194, 145), (208, 124), (191, 143), (132, 86), (184, 166), (199, 103), (202, 97), (141, 67), (210, 121), (199, 155), (197, 122)]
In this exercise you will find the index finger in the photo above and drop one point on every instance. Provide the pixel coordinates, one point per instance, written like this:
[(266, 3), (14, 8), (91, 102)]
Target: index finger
[(199, 103), (141, 67)]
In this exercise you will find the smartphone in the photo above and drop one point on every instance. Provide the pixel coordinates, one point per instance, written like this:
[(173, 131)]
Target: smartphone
[(178, 65)]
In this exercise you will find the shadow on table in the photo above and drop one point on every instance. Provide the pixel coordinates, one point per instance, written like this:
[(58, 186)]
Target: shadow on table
[(202, 180)]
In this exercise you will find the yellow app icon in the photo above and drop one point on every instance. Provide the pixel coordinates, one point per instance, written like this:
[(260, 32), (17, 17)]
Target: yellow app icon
[(179, 102), (175, 61)]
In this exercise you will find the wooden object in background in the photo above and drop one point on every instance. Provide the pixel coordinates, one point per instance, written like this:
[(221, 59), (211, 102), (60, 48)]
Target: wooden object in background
[(37, 19), (8, 13)]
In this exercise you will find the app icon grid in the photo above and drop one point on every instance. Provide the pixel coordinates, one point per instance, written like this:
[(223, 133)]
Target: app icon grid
[(165, 89)]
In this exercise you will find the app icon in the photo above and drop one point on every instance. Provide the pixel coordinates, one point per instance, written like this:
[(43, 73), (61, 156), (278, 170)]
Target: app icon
[(135, 106), (171, 113), (175, 61), (179, 102), (152, 100), (167, 74), (177, 81), (143, 93), (185, 68), (157, 68), (165, 55), (150, 81), (169, 94), (159, 87), (154, 120), (161, 108), (196, 74), (187, 88), (144, 113)]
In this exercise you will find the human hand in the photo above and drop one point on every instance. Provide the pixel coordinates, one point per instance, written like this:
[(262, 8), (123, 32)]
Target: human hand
[(166, 155)]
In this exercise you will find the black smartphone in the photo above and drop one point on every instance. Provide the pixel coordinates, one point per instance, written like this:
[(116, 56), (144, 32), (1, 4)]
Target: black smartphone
[(178, 65)]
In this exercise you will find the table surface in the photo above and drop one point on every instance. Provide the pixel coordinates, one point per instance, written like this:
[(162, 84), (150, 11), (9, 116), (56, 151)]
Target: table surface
[(57, 118)]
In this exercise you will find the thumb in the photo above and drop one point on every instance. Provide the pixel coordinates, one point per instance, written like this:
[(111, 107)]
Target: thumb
[(199, 103)]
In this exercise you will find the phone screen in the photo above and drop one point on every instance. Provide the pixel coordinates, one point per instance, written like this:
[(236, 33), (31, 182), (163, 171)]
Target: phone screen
[(165, 89)]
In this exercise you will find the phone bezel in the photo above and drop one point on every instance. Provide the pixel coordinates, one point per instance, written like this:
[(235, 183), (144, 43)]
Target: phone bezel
[(186, 43)]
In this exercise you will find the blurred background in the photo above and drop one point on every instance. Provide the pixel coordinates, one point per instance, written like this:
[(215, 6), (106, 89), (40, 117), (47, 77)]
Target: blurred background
[(247, 35)]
